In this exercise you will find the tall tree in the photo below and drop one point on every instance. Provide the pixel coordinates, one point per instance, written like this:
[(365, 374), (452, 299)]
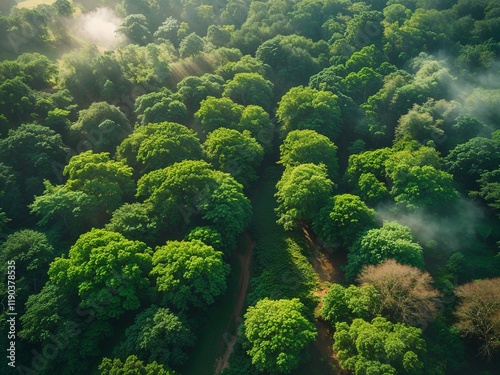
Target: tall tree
[(277, 331), (308, 146), (343, 219), (250, 88), (218, 113), (158, 335), (307, 108), (234, 152), (478, 313), (158, 145), (393, 240), (108, 272), (379, 347), (189, 274), (302, 192), (101, 127), (406, 293), (109, 181)]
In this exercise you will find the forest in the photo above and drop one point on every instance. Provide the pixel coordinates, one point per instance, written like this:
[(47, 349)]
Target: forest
[(250, 187)]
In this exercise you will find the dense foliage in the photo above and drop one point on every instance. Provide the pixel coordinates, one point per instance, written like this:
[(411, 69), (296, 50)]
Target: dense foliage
[(331, 167)]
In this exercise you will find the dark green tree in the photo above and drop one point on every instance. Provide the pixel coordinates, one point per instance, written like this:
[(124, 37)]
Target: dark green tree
[(131, 366), (343, 219), (379, 347), (158, 335), (101, 127), (234, 152)]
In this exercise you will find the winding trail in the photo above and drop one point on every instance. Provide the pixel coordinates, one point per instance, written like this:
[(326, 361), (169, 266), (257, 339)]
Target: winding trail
[(230, 336), (328, 270)]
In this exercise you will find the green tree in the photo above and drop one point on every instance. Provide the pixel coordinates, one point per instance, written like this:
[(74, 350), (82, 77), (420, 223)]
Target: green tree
[(189, 273), (343, 219), (158, 145), (135, 222), (158, 335), (131, 366), (308, 146), (467, 161), (36, 70), (302, 192), (405, 293), (191, 190), (361, 85), (64, 8), (218, 113), (307, 108), (135, 28), (256, 120), (107, 271), (98, 176), (45, 312), (34, 152), (490, 189), (379, 347), (234, 152), (366, 174), (277, 332), (32, 252), (160, 106), (194, 89), (393, 240), (17, 100), (11, 197), (219, 36), (292, 58), (168, 31), (426, 186), (191, 45), (208, 236), (92, 77), (418, 125), (246, 64), (101, 127), (250, 88), (342, 304), (70, 211)]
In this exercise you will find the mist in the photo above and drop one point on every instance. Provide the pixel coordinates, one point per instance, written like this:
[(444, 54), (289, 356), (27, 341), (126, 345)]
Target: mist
[(453, 232), (98, 27)]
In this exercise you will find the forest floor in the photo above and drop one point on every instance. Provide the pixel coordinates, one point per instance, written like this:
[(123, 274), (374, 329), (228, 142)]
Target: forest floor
[(230, 335), (220, 315), (327, 267)]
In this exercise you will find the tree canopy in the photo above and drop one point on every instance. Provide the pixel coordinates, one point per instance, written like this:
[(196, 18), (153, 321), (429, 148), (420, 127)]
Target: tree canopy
[(106, 270), (277, 332), (189, 273)]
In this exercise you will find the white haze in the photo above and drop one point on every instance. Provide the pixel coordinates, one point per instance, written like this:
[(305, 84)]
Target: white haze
[(98, 27), (452, 232)]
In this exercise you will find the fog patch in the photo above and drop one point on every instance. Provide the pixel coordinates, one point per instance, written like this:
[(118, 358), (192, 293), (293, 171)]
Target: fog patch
[(98, 27), (453, 232)]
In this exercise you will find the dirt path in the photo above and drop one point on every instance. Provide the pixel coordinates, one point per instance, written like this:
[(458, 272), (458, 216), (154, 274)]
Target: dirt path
[(230, 336), (327, 267)]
